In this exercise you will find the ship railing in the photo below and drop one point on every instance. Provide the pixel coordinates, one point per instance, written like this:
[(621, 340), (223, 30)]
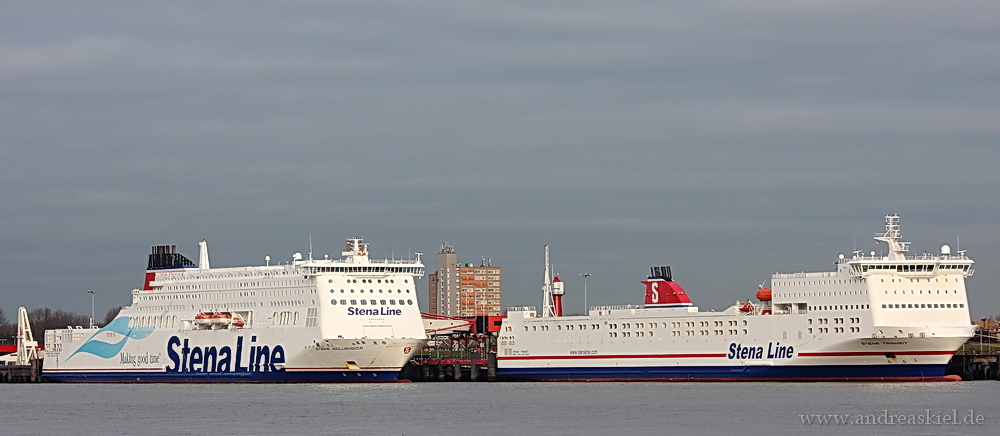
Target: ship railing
[(521, 309), (367, 262), (805, 275), (620, 307), (924, 256)]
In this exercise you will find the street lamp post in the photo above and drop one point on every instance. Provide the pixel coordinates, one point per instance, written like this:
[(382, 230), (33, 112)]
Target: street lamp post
[(586, 309), (91, 308)]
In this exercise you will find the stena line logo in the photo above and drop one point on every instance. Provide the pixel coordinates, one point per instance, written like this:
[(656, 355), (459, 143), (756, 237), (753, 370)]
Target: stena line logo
[(382, 311), (186, 359), (774, 351)]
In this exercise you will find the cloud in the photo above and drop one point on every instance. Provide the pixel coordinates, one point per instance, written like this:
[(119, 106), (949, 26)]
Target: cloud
[(730, 138)]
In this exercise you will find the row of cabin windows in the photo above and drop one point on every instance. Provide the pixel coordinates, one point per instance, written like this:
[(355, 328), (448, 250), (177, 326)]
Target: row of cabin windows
[(921, 292), (230, 305), (637, 325), (370, 291), (285, 318), (835, 330), (152, 322), (365, 269), (271, 293), (733, 332), (370, 281), (841, 307), (730, 332), (237, 285), (373, 302), (924, 306), (835, 320), (819, 294), (816, 282), (909, 268)]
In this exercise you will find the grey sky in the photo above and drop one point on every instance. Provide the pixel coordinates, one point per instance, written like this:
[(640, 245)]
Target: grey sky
[(728, 139)]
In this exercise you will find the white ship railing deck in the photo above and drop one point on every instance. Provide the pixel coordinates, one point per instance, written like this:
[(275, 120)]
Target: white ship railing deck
[(521, 309), (619, 307)]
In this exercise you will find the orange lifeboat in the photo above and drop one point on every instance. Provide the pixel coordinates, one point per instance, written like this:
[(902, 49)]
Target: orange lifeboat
[(746, 307), (203, 319), (764, 294), (222, 319), (237, 321)]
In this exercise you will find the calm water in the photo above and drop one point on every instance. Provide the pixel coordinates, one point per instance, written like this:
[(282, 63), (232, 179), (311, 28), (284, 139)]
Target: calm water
[(491, 408)]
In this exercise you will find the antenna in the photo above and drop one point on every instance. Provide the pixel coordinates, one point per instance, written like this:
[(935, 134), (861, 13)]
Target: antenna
[(310, 244)]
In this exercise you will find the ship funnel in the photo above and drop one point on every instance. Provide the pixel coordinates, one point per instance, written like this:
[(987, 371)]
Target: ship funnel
[(203, 255), (557, 293)]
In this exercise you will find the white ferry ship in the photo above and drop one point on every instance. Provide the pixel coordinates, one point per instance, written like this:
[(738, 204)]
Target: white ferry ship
[(307, 320), (887, 317)]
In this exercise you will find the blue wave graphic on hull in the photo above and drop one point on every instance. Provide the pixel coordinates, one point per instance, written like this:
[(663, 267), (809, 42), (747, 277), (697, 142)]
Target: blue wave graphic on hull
[(108, 350)]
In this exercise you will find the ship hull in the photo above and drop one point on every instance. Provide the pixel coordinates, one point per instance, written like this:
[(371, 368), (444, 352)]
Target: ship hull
[(225, 356), (161, 377), (730, 359), (791, 373)]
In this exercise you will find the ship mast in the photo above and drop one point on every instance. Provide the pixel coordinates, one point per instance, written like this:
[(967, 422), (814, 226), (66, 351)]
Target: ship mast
[(897, 249), (548, 309)]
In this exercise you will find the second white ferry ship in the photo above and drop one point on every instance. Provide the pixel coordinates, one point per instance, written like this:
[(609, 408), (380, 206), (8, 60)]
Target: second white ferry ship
[(309, 320), (876, 317)]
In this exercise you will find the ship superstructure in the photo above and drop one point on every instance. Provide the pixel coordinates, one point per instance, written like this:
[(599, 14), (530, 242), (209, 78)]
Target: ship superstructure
[(876, 317), (306, 320)]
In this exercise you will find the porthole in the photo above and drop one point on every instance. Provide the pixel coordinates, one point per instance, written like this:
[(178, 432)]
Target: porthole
[(409, 302), (333, 302)]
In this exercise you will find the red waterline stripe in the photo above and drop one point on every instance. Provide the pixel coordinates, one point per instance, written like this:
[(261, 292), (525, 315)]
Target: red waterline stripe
[(680, 356), (103, 369), (946, 378), (612, 356), (876, 353)]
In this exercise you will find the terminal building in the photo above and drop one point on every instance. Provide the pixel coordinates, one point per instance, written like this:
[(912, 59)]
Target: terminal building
[(463, 290)]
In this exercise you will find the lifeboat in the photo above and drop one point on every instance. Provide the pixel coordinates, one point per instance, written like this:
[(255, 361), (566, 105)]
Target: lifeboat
[(222, 319), (237, 321), (746, 307), (764, 294), (203, 319)]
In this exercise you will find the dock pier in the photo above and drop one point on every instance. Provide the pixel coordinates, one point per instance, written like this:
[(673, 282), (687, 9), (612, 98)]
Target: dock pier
[(453, 358), (22, 373)]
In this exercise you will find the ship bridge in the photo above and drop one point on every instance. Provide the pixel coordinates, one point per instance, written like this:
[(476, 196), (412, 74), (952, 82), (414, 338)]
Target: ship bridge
[(896, 262)]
